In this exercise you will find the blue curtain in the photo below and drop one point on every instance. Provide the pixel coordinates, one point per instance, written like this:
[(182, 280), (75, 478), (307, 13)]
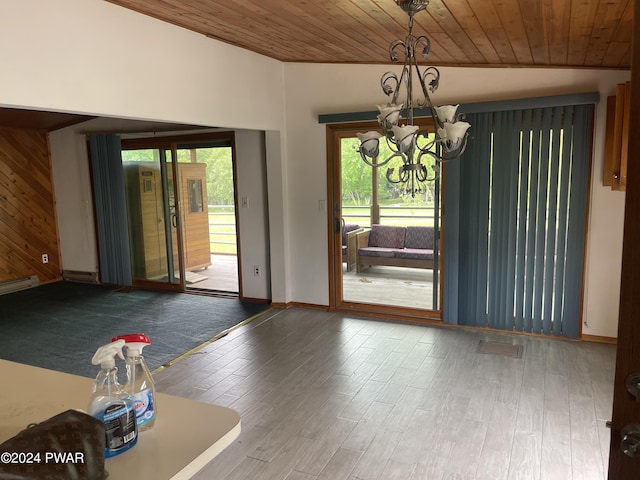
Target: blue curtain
[(514, 216), (111, 209)]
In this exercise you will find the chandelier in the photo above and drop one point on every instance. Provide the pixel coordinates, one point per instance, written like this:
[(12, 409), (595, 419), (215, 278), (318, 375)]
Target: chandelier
[(412, 144)]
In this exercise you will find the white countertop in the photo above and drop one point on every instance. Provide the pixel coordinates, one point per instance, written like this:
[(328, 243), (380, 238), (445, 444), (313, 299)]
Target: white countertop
[(186, 436)]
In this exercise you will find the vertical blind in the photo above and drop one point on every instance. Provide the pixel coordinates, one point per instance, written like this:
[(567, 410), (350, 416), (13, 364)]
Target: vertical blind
[(515, 216), (111, 209)]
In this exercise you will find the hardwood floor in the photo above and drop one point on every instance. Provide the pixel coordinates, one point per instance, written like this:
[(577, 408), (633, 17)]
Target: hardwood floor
[(335, 396)]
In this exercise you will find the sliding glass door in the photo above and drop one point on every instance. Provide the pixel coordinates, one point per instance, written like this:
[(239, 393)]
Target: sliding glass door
[(154, 217), (181, 206), (368, 208)]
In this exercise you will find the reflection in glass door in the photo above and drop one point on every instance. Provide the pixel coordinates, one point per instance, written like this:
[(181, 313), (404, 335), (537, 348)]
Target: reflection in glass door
[(364, 200), (153, 216)]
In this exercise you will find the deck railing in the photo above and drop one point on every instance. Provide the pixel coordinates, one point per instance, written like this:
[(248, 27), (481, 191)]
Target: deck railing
[(391, 215), (222, 229), (222, 222)]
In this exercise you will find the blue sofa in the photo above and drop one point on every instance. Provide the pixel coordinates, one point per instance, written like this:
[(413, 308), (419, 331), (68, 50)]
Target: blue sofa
[(395, 246)]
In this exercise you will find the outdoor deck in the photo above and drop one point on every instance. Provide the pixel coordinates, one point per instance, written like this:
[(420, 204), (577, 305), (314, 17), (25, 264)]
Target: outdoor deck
[(394, 286), (221, 276)]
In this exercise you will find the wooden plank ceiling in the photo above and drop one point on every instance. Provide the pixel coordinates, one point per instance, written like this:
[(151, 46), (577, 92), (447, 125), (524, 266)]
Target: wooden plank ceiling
[(559, 33), (39, 120)]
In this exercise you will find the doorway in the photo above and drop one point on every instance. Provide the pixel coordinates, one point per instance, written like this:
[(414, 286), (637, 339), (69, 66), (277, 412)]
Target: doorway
[(152, 217), (363, 202), (181, 210)]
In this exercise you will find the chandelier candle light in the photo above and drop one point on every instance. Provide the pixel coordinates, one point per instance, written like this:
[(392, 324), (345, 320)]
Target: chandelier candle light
[(408, 141)]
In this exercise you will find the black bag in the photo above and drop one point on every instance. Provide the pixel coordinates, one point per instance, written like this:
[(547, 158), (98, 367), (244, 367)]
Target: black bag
[(68, 446)]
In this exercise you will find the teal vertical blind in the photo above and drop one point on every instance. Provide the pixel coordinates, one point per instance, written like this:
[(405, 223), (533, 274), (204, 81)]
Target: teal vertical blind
[(516, 203), (111, 209)]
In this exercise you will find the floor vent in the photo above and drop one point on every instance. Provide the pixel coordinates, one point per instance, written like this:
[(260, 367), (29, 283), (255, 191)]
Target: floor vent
[(19, 284), (499, 348), (82, 277)]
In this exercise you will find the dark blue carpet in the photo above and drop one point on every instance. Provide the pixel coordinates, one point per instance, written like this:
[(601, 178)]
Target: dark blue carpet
[(60, 325)]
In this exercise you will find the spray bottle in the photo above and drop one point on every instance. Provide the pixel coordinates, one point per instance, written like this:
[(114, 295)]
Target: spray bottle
[(107, 403), (139, 387)]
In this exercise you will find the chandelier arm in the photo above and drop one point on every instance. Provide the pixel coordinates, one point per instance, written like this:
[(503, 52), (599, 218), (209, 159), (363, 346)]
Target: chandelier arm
[(390, 173), (392, 144), (422, 174), (457, 153), (389, 83), (375, 164), (393, 47), (435, 155), (433, 86), (426, 45), (434, 83), (403, 174), (430, 143), (408, 82)]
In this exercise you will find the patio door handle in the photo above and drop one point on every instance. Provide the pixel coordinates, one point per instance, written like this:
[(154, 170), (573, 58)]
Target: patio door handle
[(174, 221), (630, 443), (633, 385)]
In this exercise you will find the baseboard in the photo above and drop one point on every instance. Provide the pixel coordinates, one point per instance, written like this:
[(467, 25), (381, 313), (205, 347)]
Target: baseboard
[(15, 285), (256, 300), (301, 305), (600, 339), (82, 277)]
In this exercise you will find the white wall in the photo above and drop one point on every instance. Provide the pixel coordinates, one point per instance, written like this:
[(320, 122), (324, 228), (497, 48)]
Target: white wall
[(320, 89), (90, 56), (74, 200), (253, 218)]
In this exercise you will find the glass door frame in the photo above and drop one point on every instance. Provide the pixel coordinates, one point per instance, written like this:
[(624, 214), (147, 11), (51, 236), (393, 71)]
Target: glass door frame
[(168, 191), (334, 134), (175, 142)]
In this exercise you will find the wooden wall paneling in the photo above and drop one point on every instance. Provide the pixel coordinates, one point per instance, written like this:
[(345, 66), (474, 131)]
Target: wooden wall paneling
[(28, 226)]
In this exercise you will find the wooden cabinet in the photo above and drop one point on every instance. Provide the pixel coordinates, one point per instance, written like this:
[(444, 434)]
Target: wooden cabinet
[(617, 138)]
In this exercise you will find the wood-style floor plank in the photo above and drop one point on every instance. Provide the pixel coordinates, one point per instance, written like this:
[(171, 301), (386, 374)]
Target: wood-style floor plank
[(335, 396)]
